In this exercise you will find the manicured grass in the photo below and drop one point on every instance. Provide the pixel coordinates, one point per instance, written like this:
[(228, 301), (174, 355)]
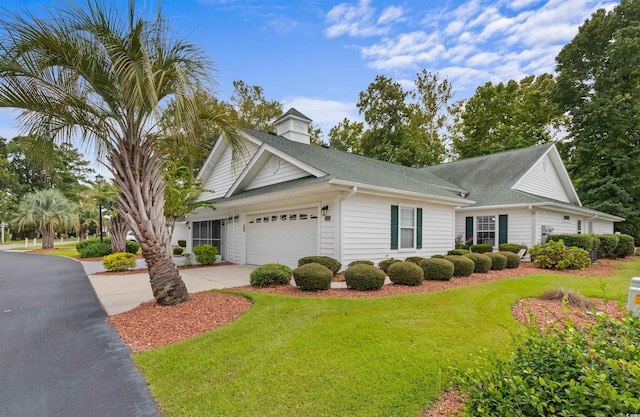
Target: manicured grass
[(347, 357), (67, 249)]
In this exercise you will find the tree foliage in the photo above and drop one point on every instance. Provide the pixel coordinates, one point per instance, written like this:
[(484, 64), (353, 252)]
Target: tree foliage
[(253, 109), (598, 84), (508, 116), (403, 127)]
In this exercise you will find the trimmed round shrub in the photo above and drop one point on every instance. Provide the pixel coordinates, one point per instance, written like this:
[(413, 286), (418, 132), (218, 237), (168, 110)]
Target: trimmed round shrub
[(384, 265), (177, 250), (481, 248), (132, 247), (513, 260), (182, 243), (405, 273), (119, 261), (326, 261), (415, 259), (438, 256), (498, 261), (364, 277), (463, 267), (511, 247), (363, 262), (625, 246), (586, 241), (608, 245), (482, 263), (205, 254), (458, 252), (312, 277), (437, 269), (269, 274), (94, 248)]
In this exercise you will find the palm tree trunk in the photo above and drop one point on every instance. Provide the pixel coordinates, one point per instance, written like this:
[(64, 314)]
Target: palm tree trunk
[(47, 238), (118, 227), (137, 171)]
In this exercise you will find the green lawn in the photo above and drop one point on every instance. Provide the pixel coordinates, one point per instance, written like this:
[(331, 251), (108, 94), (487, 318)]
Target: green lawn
[(290, 356), (67, 249)]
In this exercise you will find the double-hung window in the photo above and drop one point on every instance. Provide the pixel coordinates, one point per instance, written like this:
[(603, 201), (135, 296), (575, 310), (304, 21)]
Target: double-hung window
[(486, 230), (407, 227)]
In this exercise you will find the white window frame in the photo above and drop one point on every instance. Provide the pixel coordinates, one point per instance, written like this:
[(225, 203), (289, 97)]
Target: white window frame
[(402, 226), (494, 219), (579, 226)]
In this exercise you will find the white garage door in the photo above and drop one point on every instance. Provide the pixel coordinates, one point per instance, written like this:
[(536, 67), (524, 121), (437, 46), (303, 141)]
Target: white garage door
[(282, 237)]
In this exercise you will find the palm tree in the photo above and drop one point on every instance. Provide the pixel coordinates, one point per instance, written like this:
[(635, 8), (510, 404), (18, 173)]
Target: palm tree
[(47, 211), (87, 216), (88, 69)]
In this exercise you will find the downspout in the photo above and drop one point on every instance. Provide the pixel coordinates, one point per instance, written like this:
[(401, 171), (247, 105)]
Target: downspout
[(353, 192)]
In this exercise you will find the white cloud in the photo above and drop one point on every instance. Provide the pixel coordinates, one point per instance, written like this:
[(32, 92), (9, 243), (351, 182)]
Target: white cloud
[(482, 59), (391, 14), (323, 113), (358, 20)]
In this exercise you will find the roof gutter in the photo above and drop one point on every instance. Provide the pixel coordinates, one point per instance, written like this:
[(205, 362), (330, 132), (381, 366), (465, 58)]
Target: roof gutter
[(385, 191), (552, 206)]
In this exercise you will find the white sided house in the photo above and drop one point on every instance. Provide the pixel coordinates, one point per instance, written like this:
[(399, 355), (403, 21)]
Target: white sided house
[(520, 197), (282, 199)]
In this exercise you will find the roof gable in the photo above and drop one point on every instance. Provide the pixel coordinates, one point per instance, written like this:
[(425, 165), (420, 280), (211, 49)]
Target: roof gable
[(548, 177)]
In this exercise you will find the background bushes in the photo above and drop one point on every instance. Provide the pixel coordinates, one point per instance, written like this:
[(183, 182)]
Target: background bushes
[(482, 263), (312, 277), (384, 265), (625, 246), (205, 254), (511, 247), (437, 269), (94, 248), (458, 252), (364, 262), (269, 274), (463, 267), (481, 248), (587, 242), (555, 255), (364, 277), (415, 259), (405, 273), (332, 264)]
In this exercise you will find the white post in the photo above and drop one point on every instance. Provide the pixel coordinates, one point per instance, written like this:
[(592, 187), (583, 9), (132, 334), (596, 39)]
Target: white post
[(34, 242), (633, 303), (2, 224), (26, 242), (61, 240)]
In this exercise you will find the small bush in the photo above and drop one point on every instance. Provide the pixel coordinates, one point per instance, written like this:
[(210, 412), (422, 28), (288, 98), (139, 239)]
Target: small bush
[(513, 260), (415, 259), (312, 277), (590, 372), (364, 277), (182, 243), (269, 274), (437, 269), (328, 262), (498, 260), (555, 255), (463, 267), (363, 262), (481, 248), (119, 261), (511, 247), (132, 247), (625, 246), (458, 252), (205, 254), (177, 250), (94, 248), (405, 273), (384, 265), (482, 263), (587, 241), (608, 245), (438, 256)]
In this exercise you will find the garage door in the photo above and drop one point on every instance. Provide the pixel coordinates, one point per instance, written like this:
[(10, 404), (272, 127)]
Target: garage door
[(282, 237)]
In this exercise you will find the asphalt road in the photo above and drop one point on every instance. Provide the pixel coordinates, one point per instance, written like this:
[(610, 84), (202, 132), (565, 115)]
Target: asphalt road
[(58, 356)]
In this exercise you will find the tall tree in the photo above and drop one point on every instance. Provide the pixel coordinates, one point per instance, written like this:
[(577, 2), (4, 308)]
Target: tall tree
[(109, 75), (598, 84), (254, 110), (48, 211), (507, 116), (347, 136)]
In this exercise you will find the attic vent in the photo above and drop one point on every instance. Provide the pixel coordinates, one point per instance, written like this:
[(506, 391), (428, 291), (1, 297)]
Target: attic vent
[(274, 164)]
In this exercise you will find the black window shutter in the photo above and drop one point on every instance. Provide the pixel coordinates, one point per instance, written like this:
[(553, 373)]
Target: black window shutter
[(418, 228), (469, 228), (503, 229), (394, 227)]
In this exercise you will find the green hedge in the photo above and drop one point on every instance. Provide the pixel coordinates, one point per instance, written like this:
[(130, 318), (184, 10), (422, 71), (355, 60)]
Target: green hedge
[(415, 259), (312, 277), (511, 247), (177, 250), (361, 262), (270, 274), (556, 255), (405, 273), (481, 248), (463, 267), (458, 252), (482, 263), (587, 241), (332, 264), (437, 269), (385, 264), (94, 248), (607, 246), (625, 246), (513, 260), (498, 260), (364, 277)]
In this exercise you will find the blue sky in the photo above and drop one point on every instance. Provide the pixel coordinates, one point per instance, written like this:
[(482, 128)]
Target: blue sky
[(318, 55)]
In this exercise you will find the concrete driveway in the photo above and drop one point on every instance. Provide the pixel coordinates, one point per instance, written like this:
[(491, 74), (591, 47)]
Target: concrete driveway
[(119, 293)]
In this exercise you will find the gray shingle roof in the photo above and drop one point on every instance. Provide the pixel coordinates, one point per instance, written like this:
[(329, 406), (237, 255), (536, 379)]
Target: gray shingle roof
[(292, 112), (489, 178), (340, 165)]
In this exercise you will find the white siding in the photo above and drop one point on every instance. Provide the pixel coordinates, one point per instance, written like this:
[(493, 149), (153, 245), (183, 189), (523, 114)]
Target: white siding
[(274, 171), (602, 227), (555, 220), (179, 233), (366, 225), (224, 173), (543, 180), (519, 228)]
